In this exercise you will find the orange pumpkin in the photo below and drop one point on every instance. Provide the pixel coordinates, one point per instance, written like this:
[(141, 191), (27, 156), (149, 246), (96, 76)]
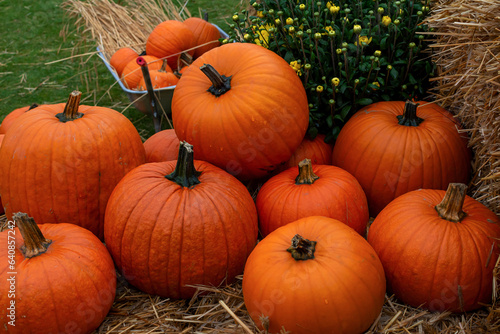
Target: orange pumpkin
[(206, 35), (2, 211), (438, 249), (164, 77), (13, 115), (311, 190), (63, 279), (132, 73), (314, 275), (170, 225), (168, 40), (162, 146), (243, 120), (394, 147), (121, 58), (317, 150), (61, 163)]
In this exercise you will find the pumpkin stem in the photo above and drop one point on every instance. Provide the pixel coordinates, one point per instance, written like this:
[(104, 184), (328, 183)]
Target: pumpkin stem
[(409, 117), (220, 83), (34, 241), (185, 174), (70, 112), (33, 106), (306, 174), (450, 207), (302, 249)]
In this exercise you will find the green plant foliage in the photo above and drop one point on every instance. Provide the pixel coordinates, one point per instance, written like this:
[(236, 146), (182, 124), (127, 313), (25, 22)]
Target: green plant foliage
[(348, 53)]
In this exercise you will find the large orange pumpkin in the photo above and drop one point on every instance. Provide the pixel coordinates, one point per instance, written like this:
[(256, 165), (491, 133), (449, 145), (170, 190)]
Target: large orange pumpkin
[(310, 191), (162, 146), (2, 211), (243, 107), (314, 275), (55, 278), (60, 163), (172, 224), (395, 147), (438, 249), (168, 40), (13, 115), (206, 35)]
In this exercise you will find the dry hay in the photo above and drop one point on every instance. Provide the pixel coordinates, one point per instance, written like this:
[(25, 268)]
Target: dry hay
[(114, 25), (466, 51), (222, 310)]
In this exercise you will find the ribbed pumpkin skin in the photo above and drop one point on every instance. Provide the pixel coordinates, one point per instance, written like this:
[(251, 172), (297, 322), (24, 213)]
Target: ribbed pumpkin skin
[(162, 146), (132, 73), (163, 236), (121, 58), (204, 32), (11, 118), (65, 172), (389, 159), (336, 194), (68, 289), (256, 125), (341, 290), (169, 39), (426, 257), (2, 211), (315, 149)]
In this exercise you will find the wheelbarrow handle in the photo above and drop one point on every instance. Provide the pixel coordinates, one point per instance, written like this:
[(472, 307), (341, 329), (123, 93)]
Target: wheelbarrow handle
[(151, 94)]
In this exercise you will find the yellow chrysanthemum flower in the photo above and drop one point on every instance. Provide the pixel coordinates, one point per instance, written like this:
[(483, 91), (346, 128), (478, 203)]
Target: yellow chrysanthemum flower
[(296, 67), (386, 20), (263, 32), (335, 81), (363, 40)]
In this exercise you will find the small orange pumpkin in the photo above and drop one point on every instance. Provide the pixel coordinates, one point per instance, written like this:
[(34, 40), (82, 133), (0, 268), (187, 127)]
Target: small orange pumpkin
[(132, 73), (121, 58), (322, 190), (164, 77)]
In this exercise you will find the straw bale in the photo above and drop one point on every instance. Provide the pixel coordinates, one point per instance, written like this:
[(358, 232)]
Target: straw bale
[(466, 50)]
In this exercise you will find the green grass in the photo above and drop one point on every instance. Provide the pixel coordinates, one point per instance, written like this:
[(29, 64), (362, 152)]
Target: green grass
[(41, 57)]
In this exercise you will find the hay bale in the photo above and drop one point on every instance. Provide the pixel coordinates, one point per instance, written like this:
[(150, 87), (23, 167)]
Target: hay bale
[(466, 49)]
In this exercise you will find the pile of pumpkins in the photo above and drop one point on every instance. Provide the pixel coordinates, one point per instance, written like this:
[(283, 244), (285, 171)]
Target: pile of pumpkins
[(176, 211), (170, 49)]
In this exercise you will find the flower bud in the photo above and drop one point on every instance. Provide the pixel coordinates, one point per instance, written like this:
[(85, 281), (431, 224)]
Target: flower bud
[(357, 29), (377, 53), (236, 18), (319, 88)]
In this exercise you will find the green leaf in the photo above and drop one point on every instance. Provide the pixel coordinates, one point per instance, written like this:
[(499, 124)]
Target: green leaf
[(364, 101)]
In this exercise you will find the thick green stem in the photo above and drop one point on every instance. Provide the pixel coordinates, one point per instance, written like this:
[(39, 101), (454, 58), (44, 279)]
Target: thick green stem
[(185, 173), (306, 174), (220, 83), (409, 117), (70, 112), (34, 241), (450, 207), (301, 248)]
